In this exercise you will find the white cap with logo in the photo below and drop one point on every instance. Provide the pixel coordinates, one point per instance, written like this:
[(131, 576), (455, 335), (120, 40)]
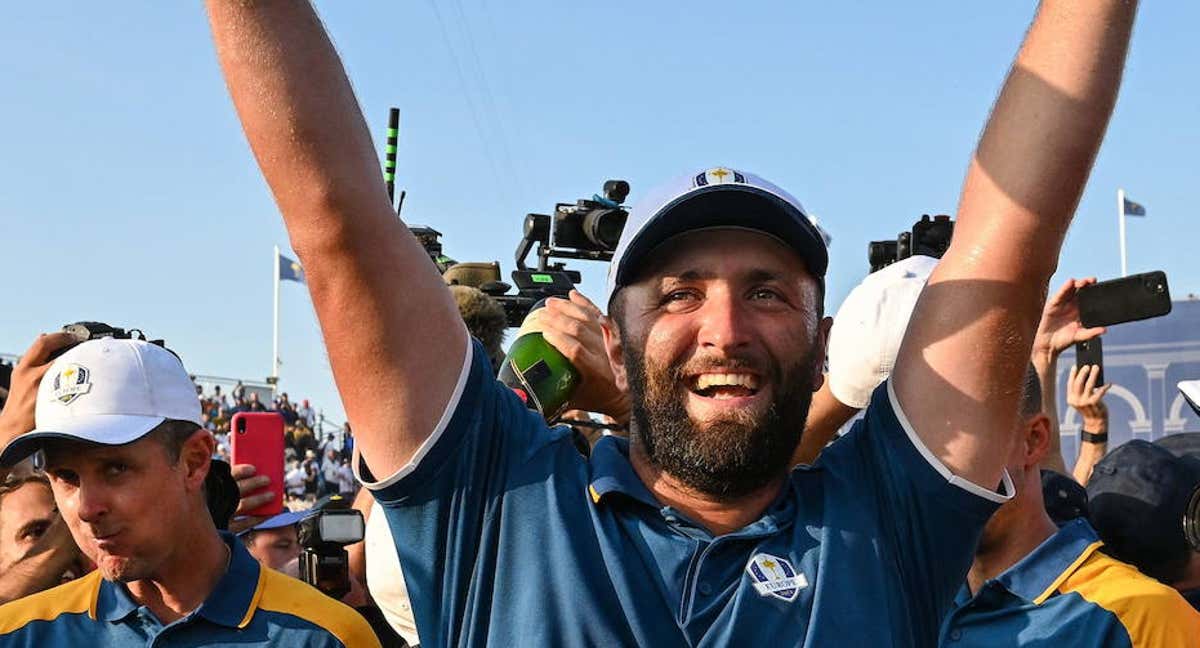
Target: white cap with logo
[(714, 198), (108, 391)]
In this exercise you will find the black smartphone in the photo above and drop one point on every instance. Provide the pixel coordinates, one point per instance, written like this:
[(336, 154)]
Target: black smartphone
[(1090, 352), (1128, 299)]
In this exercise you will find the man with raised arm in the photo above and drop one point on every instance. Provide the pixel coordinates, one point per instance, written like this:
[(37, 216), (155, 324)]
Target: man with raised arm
[(695, 532)]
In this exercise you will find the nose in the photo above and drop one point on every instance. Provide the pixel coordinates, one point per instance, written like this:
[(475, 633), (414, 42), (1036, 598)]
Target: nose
[(724, 323), (91, 502)]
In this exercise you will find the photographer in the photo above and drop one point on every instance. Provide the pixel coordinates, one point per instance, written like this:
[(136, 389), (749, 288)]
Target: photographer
[(696, 531), (119, 423)]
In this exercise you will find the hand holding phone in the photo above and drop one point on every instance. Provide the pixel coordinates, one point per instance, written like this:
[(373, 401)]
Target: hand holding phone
[(1128, 299), (257, 439)]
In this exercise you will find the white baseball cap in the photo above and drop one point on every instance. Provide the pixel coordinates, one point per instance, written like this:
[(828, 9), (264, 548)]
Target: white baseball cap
[(716, 197), (869, 327), (108, 391)]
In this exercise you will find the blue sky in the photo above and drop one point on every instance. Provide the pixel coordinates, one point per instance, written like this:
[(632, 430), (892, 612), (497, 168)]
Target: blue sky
[(128, 193)]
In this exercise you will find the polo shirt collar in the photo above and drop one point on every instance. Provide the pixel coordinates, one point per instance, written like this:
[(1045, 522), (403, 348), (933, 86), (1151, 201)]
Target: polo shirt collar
[(234, 599), (611, 472), (231, 603), (1037, 575)]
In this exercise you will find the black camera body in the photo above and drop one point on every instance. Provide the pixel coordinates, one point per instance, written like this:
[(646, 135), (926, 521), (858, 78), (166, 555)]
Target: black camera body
[(928, 237), (324, 563), (85, 331), (588, 229)]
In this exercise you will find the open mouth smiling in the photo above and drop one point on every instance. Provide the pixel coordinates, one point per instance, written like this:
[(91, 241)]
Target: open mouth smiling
[(724, 386)]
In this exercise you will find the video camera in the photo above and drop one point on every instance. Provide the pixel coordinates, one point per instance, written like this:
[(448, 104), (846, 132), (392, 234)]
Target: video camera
[(928, 237), (324, 563), (587, 229)]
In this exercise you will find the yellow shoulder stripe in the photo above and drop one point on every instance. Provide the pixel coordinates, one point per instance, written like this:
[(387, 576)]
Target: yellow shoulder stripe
[(1154, 615), (75, 597), (1087, 553), (287, 595)]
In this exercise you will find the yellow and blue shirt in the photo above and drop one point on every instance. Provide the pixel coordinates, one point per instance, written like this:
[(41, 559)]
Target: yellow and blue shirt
[(250, 606), (1069, 593), (507, 536)]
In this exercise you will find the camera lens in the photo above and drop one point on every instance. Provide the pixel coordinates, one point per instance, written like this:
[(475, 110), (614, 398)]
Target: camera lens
[(603, 227)]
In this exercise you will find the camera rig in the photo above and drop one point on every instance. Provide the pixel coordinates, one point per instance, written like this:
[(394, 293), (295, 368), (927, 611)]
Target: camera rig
[(928, 237), (587, 229)]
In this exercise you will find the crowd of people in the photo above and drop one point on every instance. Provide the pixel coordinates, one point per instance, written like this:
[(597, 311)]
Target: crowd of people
[(729, 503)]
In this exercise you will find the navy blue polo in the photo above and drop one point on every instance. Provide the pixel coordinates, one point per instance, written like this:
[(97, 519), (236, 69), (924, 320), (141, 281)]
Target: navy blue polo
[(507, 537), (250, 606), (1067, 592)]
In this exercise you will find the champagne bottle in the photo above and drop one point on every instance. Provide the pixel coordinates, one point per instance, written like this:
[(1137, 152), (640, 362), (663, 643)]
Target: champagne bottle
[(538, 373)]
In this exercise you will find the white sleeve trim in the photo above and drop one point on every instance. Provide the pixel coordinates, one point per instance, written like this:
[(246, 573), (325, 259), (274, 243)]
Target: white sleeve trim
[(937, 464), (433, 437)]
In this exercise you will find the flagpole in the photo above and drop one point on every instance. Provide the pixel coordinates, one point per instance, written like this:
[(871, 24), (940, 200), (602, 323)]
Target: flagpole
[(1121, 228), (275, 321)]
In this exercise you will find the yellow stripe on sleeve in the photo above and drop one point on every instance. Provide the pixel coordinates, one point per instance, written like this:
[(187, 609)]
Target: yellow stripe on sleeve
[(286, 595), (1154, 615), (75, 597)]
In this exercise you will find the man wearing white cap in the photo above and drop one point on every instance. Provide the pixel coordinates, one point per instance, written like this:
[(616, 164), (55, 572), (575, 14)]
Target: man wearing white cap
[(696, 532), (119, 423)]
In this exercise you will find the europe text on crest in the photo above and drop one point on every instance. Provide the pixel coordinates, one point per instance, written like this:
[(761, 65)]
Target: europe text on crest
[(775, 576), (71, 383)]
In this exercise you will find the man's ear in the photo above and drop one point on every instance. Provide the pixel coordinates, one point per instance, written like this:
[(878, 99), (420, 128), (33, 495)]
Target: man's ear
[(612, 348), (1037, 439), (196, 457)]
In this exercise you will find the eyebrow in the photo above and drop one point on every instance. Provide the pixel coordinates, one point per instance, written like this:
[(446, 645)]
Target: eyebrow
[(754, 275)]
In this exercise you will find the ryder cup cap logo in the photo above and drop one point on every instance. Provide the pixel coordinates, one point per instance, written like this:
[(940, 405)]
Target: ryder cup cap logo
[(71, 383), (719, 175), (774, 576)]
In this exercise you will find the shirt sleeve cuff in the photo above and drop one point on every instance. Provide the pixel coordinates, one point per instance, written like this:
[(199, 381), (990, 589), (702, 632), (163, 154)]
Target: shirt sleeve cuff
[(975, 489), (363, 474)]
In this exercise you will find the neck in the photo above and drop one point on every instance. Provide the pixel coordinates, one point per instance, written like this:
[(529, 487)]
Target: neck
[(1022, 533), (187, 577), (718, 515)]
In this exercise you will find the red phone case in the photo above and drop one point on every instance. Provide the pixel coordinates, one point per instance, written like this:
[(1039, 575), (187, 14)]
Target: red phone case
[(257, 439)]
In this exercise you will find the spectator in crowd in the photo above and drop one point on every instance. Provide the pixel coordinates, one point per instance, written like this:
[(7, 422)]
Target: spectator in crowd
[(329, 473), (312, 473), (719, 338), (294, 480), (347, 440), (36, 548), (305, 414), (275, 542), (345, 478), (1138, 495), (1033, 584), (255, 404), (239, 391), (127, 467)]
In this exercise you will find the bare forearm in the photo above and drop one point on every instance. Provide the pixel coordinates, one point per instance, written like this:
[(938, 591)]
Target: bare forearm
[(1037, 150), (1089, 455), (826, 416), (1046, 369), (973, 328), (386, 316)]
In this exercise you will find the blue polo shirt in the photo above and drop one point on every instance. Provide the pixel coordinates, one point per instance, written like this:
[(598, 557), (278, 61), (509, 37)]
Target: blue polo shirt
[(250, 606), (508, 537), (1068, 593)]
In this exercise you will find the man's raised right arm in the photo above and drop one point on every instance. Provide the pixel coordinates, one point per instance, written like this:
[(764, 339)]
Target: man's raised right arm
[(395, 340)]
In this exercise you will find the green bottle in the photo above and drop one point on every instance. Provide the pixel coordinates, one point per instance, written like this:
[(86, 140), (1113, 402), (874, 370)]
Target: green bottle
[(538, 373)]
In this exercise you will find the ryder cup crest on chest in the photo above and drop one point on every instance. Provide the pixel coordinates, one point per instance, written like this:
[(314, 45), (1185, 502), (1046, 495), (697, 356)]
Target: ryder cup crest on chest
[(775, 576)]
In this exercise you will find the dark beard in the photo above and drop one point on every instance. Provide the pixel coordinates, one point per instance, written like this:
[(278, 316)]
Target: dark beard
[(729, 458)]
